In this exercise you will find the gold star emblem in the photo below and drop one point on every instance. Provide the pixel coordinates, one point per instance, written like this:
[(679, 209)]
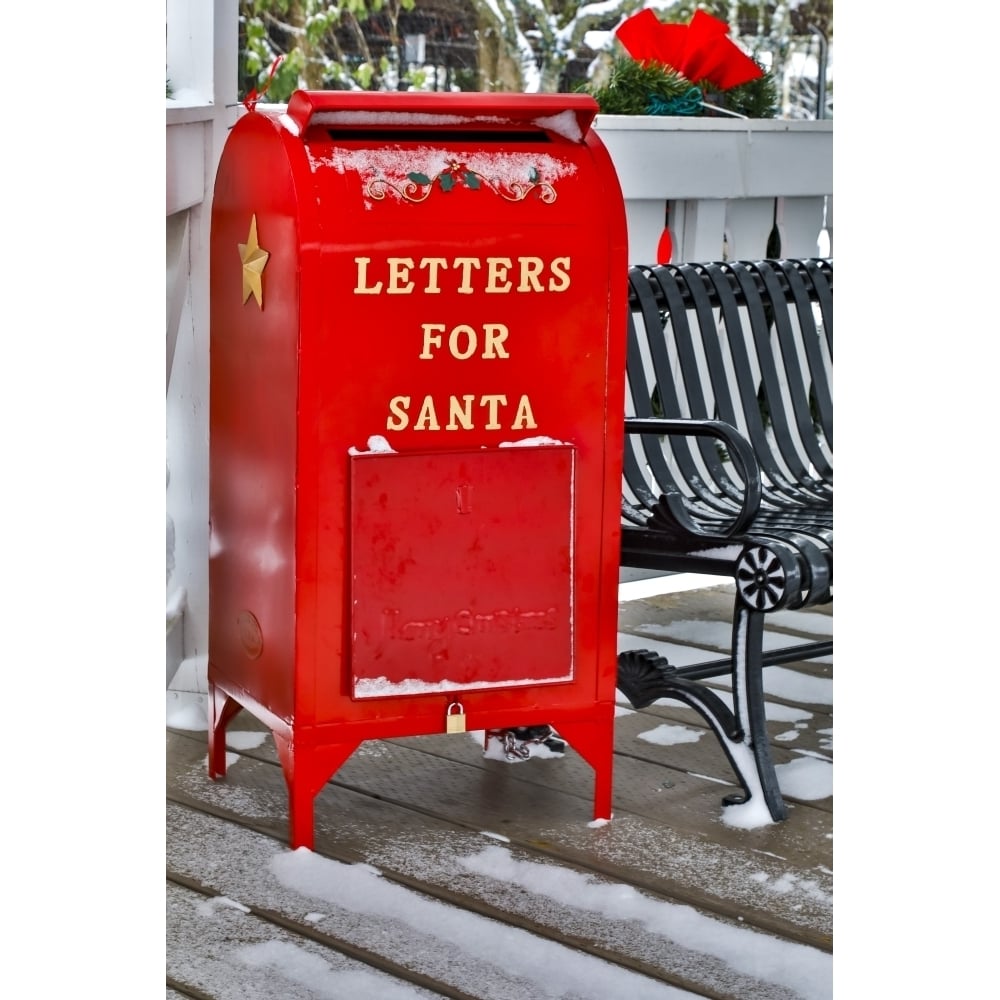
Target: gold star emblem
[(254, 259)]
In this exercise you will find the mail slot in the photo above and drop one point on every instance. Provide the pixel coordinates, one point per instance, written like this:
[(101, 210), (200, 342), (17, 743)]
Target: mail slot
[(417, 358)]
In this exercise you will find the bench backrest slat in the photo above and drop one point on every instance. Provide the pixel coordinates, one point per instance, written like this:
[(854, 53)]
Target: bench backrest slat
[(781, 389), (749, 343)]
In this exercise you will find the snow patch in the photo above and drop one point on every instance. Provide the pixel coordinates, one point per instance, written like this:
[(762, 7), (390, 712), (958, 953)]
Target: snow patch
[(377, 445)]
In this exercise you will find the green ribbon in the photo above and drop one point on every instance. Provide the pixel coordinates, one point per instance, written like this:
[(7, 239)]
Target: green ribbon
[(688, 103)]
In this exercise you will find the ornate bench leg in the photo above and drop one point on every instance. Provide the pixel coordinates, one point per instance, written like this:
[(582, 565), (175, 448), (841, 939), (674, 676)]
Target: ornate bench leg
[(645, 677), (748, 700)]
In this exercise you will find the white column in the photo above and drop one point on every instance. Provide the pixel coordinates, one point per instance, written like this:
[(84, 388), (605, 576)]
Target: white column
[(202, 59)]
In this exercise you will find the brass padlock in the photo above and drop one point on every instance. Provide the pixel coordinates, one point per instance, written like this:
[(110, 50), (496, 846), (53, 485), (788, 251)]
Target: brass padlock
[(455, 721)]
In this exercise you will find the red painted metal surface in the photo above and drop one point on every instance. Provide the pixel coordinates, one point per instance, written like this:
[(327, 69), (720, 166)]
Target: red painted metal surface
[(481, 594), (417, 356)]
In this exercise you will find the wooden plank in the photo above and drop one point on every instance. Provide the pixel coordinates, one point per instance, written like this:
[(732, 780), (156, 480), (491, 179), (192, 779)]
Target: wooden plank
[(439, 856), (218, 947), (655, 841)]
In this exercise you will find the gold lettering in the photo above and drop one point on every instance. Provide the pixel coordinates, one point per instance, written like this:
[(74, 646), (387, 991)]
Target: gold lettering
[(496, 334), (496, 274), (399, 419), (362, 287), (470, 342), (463, 341), (427, 417), (399, 276), (559, 281), (534, 274), (530, 268), (432, 265), (460, 413), (493, 402), (466, 264), (524, 418), (432, 338)]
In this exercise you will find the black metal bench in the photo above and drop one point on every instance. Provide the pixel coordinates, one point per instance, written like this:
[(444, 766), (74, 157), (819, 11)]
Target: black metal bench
[(728, 470)]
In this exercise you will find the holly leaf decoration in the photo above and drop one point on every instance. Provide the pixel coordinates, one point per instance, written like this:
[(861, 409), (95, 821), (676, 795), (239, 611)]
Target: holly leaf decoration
[(533, 175), (447, 182), (419, 178), (471, 180)]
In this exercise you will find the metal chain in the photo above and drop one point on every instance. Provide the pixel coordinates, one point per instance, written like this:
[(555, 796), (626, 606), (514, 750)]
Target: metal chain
[(515, 748)]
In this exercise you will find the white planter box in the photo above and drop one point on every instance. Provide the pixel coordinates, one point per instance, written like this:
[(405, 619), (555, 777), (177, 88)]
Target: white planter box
[(725, 182), (676, 157)]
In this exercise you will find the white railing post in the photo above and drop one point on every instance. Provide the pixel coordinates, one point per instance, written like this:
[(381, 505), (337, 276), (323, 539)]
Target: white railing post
[(800, 221), (699, 229), (749, 222)]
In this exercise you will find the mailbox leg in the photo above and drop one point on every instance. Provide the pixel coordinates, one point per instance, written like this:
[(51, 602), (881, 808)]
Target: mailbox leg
[(307, 770), (602, 787), (221, 709), (595, 742)]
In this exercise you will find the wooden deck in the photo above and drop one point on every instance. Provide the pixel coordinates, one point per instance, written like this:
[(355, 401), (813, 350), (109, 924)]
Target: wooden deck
[(248, 918)]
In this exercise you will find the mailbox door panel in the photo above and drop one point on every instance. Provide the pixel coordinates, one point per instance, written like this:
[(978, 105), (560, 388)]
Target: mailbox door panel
[(461, 570)]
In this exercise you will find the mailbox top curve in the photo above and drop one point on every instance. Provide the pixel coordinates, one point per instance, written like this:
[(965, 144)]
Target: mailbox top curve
[(565, 116)]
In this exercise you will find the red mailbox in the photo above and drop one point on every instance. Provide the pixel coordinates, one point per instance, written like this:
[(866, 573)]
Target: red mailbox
[(417, 357)]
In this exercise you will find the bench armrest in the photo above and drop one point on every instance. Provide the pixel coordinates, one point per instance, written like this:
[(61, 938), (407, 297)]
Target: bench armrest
[(740, 452)]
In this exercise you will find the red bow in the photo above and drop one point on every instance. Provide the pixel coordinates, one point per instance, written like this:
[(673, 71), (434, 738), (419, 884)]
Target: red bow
[(699, 50)]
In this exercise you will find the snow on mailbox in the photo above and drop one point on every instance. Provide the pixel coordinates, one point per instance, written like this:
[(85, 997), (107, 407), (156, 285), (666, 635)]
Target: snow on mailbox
[(417, 358)]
